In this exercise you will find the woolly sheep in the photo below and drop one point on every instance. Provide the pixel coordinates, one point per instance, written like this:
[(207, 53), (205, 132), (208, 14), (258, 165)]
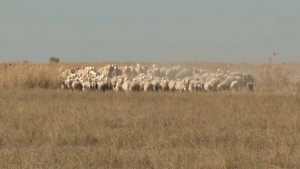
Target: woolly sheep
[(155, 84), (117, 85), (182, 85), (134, 86), (101, 85), (195, 86), (171, 85), (234, 85), (127, 78), (82, 72), (148, 87), (88, 85), (76, 85), (250, 86), (125, 86), (212, 84), (163, 85)]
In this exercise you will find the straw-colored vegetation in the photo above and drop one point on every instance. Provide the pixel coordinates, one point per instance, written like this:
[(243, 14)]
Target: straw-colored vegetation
[(42, 126)]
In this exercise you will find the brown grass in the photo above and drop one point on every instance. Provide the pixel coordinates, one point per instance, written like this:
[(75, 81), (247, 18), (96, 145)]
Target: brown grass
[(270, 77), (46, 128)]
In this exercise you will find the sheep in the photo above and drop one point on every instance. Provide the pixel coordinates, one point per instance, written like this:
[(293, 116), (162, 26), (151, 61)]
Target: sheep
[(212, 84), (106, 70), (101, 85), (89, 68), (192, 87), (147, 78), (163, 85), (211, 76), (82, 71), (140, 69), (113, 71), (115, 78), (109, 86), (68, 83), (250, 86), (156, 78), (67, 72), (182, 85), (221, 76), (155, 84), (234, 85), (225, 84), (88, 85), (142, 83), (64, 85), (125, 85), (171, 85), (109, 70), (134, 86), (73, 70), (138, 77), (72, 76), (189, 77), (240, 82), (117, 85), (76, 85), (148, 86), (249, 78), (200, 86), (92, 73), (165, 78), (195, 86)]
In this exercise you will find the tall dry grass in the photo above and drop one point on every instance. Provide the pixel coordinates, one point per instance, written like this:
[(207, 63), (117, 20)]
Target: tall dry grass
[(59, 129), (270, 77), (45, 128)]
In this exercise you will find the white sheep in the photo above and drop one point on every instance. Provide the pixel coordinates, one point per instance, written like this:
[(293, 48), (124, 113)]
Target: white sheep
[(234, 85), (117, 85), (212, 84), (134, 85), (148, 86), (90, 85), (182, 85), (171, 85), (76, 85), (125, 85), (163, 85), (195, 86), (155, 84)]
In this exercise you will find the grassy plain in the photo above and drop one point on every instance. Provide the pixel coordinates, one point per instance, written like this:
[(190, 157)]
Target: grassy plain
[(45, 127)]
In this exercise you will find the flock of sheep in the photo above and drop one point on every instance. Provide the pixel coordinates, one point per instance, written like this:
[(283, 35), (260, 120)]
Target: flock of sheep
[(153, 78)]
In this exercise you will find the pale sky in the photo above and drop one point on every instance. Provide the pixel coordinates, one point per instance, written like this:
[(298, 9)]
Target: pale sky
[(165, 30)]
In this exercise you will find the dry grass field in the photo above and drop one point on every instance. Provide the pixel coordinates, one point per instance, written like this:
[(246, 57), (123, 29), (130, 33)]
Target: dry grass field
[(42, 126)]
